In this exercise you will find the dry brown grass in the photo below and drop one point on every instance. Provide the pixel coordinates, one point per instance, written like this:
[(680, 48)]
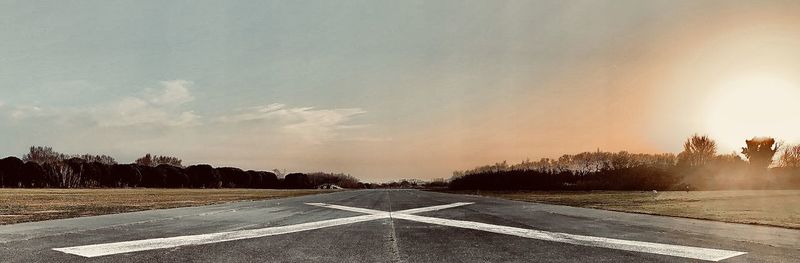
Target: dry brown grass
[(769, 207), (25, 205)]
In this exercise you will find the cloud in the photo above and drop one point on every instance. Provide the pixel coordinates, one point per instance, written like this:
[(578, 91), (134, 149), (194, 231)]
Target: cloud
[(168, 106), (252, 113), (158, 108), (311, 124), (26, 111), (138, 112), (174, 92)]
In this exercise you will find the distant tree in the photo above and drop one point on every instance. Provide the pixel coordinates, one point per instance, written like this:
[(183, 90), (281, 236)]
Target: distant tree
[(127, 174), (760, 151), (152, 176), (728, 159), (146, 160), (104, 159), (105, 176), (297, 181), (280, 174), (170, 160), (91, 173), (697, 151), (790, 157), (33, 175), (66, 173), (269, 180), (256, 179), (622, 159), (153, 161), (234, 177), (203, 176), (42, 155), (176, 177), (435, 183), (11, 171), (342, 180)]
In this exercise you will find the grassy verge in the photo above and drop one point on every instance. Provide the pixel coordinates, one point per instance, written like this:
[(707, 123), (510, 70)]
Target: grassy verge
[(26, 205), (769, 207)]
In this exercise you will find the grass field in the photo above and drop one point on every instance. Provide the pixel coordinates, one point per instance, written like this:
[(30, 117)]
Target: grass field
[(774, 207), (25, 205)]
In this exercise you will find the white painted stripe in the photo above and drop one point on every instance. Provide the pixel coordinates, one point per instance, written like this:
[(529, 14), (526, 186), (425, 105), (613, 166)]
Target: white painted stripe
[(409, 211), (636, 246), (347, 208), (170, 242), (431, 208)]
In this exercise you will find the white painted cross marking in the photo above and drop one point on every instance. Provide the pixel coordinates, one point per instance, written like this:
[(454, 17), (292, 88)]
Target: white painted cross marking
[(619, 244)]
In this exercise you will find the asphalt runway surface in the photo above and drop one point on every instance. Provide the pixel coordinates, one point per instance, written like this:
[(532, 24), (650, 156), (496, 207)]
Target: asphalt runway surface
[(392, 226)]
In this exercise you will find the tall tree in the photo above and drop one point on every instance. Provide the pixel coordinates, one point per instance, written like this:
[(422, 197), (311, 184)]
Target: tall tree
[(146, 160), (43, 154), (102, 158), (169, 160), (760, 151), (790, 157), (155, 160), (697, 151)]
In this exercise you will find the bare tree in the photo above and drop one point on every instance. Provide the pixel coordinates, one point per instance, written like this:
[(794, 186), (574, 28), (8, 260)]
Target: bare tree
[(697, 150), (760, 151), (731, 158), (43, 154), (65, 176), (790, 157), (146, 160), (170, 160), (153, 161), (104, 159), (279, 173)]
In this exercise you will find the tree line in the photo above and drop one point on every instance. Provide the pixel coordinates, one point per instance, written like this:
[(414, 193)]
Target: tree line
[(42, 167), (697, 167)]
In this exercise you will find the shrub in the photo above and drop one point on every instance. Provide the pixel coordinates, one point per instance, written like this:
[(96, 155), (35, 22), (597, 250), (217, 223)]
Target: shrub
[(10, 171), (297, 181), (234, 177), (33, 175), (203, 176), (176, 177)]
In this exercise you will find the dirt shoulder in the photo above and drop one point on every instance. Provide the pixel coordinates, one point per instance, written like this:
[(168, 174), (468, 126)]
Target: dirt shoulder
[(764, 207), (26, 205)]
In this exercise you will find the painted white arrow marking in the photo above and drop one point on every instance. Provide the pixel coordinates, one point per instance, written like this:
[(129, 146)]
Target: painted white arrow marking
[(619, 244)]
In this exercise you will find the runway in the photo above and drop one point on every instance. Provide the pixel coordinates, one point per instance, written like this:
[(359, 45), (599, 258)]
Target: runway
[(392, 226)]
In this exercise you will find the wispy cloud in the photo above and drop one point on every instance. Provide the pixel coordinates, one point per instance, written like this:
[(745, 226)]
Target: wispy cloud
[(311, 124), (159, 107), (172, 93), (26, 111), (168, 106)]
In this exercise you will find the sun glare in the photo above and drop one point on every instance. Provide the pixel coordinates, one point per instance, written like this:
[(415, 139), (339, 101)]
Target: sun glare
[(754, 105)]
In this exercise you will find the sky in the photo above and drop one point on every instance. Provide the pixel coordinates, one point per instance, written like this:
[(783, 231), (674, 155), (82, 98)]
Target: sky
[(385, 90)]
